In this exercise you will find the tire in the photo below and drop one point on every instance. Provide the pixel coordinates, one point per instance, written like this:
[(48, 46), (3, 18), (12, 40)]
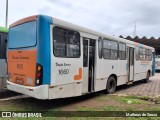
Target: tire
[(147, 77), (111, 85)]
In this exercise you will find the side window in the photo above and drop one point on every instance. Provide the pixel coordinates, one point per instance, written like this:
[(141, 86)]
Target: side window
[(137, 53), (85, 53), (114, 50), (100, 48), (141, 53), (122, 51), (66, 43), (107, 49), (147, 54), (144, 54), (150, 55), (110, 49)]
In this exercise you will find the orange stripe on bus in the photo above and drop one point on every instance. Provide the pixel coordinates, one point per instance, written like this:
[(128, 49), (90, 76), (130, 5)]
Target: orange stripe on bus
[(135, 44), (28, 19), (79, 76)]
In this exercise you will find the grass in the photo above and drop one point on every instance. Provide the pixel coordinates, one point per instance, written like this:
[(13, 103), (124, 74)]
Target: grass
[(133, 100), (100, 103)]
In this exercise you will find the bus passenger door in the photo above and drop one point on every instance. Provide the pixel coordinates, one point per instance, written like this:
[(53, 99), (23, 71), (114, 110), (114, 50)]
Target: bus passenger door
[(131, 64), (88, 65)]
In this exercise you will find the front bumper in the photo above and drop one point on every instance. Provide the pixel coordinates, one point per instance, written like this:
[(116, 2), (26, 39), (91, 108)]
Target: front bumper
[(39, 92)]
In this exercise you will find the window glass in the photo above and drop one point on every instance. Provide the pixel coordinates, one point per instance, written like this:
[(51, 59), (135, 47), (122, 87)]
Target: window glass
[(114, 45), (100, 48), (59, 48), (23, 35), (150, 55), (106, 53), (72, 50), (147, 54), (66, 43), (144, 54), (122, 51), (85, 53), (110, 49), (114, 54), (107, 44), (137, 53), (114, 50), (141, 53)]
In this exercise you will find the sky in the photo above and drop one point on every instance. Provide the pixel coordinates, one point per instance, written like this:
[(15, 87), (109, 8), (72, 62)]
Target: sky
[(114, 17)]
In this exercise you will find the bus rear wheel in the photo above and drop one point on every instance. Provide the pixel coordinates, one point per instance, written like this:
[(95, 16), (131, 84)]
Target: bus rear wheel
[(147, 77), (111, 86)]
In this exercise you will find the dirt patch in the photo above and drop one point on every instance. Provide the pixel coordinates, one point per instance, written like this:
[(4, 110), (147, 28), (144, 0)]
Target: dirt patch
[(92, 104)]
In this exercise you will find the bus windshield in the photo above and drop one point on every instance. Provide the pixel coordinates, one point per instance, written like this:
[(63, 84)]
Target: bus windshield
[(23, 35)]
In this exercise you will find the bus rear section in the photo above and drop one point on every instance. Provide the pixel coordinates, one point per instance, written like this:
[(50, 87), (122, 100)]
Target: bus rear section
[(25, 74)]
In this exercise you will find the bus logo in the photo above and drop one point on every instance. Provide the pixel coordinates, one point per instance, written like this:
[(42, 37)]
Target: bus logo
[(6, 114)]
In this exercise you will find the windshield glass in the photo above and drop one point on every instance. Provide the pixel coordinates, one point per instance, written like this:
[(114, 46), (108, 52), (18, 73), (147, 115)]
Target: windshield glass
[(23, 35)]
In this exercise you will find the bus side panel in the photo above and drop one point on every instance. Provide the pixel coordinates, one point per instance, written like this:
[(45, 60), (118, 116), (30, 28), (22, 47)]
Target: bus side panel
[(3, 64), (63, 73), (3, 68), (106, 68), (43, 55), (141, 69)]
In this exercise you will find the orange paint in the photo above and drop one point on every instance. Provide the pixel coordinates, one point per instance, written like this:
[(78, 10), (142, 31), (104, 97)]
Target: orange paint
[(135, 44), (22, 67), (24, 20), (144, 46), (145, 62), (79, 76)]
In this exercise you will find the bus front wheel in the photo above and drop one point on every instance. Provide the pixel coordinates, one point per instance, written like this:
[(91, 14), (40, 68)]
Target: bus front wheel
[(111, 86)]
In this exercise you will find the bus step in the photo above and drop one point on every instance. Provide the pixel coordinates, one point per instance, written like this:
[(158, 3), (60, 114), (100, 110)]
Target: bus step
[(129, 83)]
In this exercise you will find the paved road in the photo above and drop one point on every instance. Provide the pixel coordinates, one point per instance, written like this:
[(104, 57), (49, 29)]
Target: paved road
[(151, 89)]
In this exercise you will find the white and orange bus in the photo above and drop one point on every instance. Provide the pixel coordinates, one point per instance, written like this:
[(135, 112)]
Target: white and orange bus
[(49, 58)]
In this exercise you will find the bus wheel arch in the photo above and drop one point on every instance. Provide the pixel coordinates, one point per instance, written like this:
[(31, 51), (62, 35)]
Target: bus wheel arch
[(111, 84)]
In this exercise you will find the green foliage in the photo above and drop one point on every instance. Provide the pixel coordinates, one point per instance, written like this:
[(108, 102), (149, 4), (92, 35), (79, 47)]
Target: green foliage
[(3, 29)]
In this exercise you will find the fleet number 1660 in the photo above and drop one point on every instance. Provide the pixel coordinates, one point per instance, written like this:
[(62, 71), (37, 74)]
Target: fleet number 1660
[(63, 71)]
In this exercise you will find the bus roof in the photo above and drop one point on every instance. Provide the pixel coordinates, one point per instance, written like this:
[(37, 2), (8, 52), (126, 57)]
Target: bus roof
[(3, 29)]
